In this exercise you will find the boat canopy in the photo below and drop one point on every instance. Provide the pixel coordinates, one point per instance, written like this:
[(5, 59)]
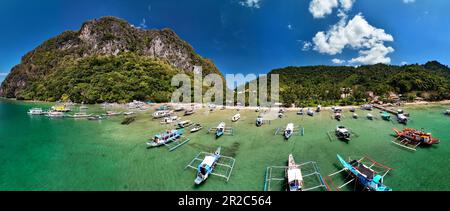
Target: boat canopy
[(294, 175)]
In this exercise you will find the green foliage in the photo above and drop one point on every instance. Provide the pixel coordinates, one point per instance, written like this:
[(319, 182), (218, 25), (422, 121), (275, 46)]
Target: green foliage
[(97, 79), (309, 86)]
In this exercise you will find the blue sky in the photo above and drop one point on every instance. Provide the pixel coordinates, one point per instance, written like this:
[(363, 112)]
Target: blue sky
[(251, 36)]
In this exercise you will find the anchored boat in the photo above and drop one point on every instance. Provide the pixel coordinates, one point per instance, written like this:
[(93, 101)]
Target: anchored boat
[(55, 114), (370, 116), (412, 138), (81, 115), (289, 131), (355, 116), (259, 121), (402, 119), (386, 116), (207, 167), (161, 114), (365, 175), (236, 118), (196, 128), (338, 116), (310, 112), (220, 130), (189, 112), (294, 175), (367, 107), (36, 111), (165, 138), (319, 108), (352, 109), (60, 108), (343, 133)]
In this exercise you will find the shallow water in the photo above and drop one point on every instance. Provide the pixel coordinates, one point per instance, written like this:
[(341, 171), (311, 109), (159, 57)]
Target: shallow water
[(38, 153)]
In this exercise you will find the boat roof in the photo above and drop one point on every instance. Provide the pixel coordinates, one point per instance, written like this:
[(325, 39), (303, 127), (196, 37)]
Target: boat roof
[(209, 160), (295, 174)]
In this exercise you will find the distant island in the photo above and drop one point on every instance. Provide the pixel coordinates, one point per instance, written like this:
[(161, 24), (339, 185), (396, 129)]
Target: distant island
[(110, 60)]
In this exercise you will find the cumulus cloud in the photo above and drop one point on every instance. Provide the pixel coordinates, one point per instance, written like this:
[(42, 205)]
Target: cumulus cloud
[(143, 23), (306, 46), (251, 3), (356, 34)]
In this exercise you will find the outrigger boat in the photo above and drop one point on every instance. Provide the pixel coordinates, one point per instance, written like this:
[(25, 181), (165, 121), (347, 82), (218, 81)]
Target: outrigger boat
[(112, 113), (205, 164), (338, 116), (352, 109), (386, 116), (370, 116), (294, 175), (196, 128), (179, 109), (97, 117), (60, 108), (169, 120), (81, 115), (207, 167), (301, 112), (189, 112), (36, 112), (319, 108), (447, 112), (402, 119), (367, 107), (343, 133), (55, 114), (310, 112), (411, 138), (128, 113), (236, 118), (259, 121), (161, 114), (289, 131), (365, 175), (355, 116), (184, 124), (220, 130), (165, 138), (336, 109)]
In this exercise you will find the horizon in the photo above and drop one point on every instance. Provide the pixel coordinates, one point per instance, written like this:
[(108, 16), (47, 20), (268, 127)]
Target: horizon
[(252, 36)]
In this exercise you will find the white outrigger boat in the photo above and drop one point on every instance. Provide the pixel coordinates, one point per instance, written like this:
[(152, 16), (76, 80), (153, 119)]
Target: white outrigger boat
[(370, 116), (236, 118), (343, 133), (447, 112), (289, 131), (319, 108), (81, 115), (170, 120), (36, 111), (355, 116), (55, 114), (402, 119), (184, 124), (207, 167), (310, 112), (196, 128), (161, 114), (294, 175)]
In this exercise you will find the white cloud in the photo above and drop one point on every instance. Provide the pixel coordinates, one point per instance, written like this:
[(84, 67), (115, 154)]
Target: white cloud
[(356, 34), (306, 46), (409, 1), (338, 61), (321, 8), (3, 74), (404, 63), (251, 3)]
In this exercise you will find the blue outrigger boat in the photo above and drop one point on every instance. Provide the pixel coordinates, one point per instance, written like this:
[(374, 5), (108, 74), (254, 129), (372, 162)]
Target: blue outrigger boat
[(207, 167), (220, 131), (365, 175), (386, 116)]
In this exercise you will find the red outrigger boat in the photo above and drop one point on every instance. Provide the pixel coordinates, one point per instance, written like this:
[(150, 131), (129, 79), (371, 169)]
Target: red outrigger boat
[(412, 138)]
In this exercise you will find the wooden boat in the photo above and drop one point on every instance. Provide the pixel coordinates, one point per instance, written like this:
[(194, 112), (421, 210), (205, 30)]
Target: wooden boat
[(196, 128), (236, 118), (207, 166), (343, 133), (294, 175), (289, 131), (364, 175), (386, 116), (412, 136), (36, 112), (165, 138)]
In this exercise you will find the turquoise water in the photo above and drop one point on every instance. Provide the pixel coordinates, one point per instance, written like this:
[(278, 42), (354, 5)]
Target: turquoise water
[(38, 153)]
